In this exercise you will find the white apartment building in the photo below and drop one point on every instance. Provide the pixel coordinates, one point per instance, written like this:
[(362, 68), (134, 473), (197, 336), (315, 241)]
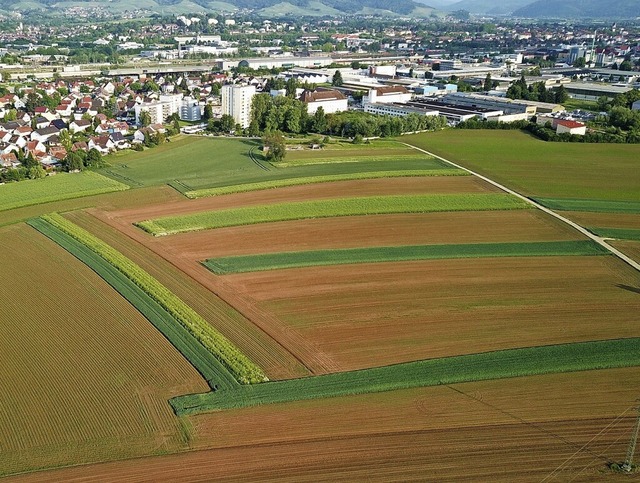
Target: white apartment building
[(159, 110), (236, 102), (190, 110)]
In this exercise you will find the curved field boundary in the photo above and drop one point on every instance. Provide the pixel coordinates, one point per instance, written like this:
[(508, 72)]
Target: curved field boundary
[(596, 206), (60, 187), (618, 233), (274, 261), (243, 369), (256, 161), (200, 358), (372, 205), (281, 183), (449, 370)]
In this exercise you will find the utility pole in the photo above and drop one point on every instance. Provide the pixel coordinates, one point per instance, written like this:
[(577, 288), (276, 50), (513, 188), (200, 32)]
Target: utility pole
[(628, 463)]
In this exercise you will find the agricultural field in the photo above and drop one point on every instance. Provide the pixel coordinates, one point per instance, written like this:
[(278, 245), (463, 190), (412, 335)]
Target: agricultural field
[(56, 188), (371, 313), (198, 167), (365, 231), (387, 313), (330, 208), (311, 258), (555, 426), (79, 385), (573, 171)]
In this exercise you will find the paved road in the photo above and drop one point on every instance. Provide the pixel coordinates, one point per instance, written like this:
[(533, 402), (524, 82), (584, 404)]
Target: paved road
[(599, 240)]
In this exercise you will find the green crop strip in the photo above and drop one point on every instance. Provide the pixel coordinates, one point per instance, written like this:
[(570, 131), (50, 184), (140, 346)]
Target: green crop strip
[(620, 233), (281, 183), (273, 261), (531, 361), (596, 206), (329, 208), (60, 187), (244, 370)]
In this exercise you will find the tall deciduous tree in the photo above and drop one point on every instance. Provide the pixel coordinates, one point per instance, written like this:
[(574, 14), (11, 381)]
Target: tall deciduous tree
[(337, 79)]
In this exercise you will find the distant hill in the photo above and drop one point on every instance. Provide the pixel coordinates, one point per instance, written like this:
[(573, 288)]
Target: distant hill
[(581, 9), (488, 7), (265, 7)]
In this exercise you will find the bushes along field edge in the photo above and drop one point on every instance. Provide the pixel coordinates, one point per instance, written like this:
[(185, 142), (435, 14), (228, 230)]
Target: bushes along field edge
[(230, 356), (572, 357)]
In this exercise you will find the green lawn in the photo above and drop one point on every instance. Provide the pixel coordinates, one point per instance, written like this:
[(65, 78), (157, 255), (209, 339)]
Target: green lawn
[(273, 261), (450, 370), (62, 186), (194, 163), (329, 208), (607, 172), (584, 105)]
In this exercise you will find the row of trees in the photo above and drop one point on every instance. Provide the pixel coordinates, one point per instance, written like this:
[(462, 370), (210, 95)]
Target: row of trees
[(536, 92), (285, 114)]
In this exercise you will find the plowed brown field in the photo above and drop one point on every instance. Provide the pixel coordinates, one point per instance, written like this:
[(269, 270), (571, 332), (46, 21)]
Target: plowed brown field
[(340, 189), (560, 427), (84, 376), (374, 230), (630, 248), (377, 314), (604, 220), (267, 352)]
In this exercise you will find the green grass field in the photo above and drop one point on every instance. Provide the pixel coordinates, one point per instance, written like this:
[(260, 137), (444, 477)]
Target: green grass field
[(619, 233), (200, 358), (195, 163), (60, 187), (274, 261), (330, 208), (584, 105), (281, 183), (239, 365), (597, 206), (607, 172), (450, 370)]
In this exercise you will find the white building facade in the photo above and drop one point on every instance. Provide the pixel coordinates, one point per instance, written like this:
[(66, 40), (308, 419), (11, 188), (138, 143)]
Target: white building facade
[(236, 102), (190, 110)]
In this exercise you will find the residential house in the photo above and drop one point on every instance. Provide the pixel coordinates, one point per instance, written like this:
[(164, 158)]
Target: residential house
[(41, 122), (37, 148), (104, 144), (23, 131), (9, 160), (44, 134), (60, 124), (79, 125), (120, 141)]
